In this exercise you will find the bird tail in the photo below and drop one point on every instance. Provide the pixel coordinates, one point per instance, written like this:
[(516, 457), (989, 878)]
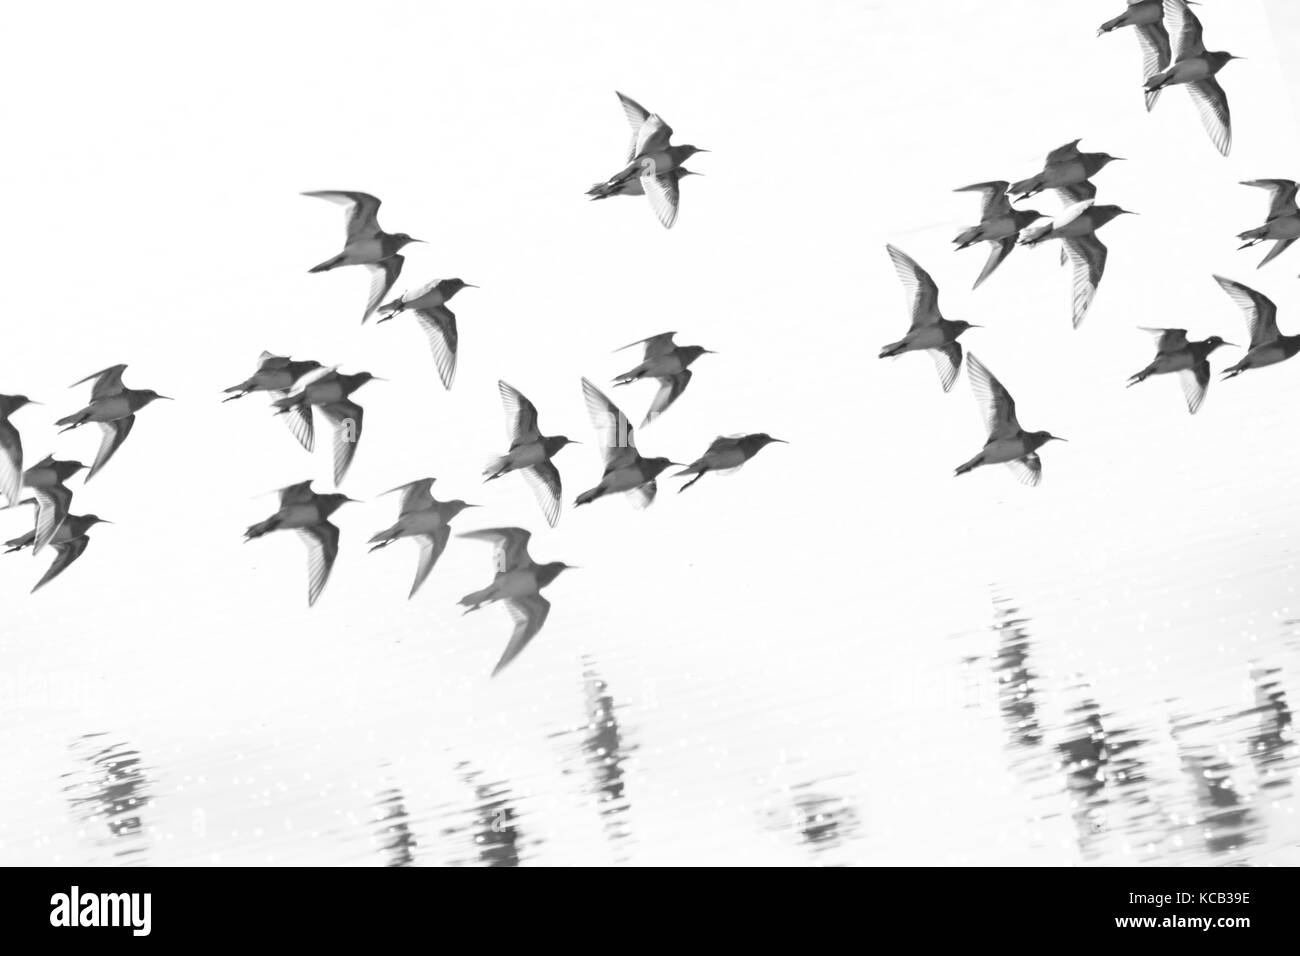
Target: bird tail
[(289, 402), (970, 465), (1233, 371), (601, 190), (1253, 236), (384, 538), (688, 471), (971, 235), (475, 599), (328, 264), (1119, 21), (261, 528), (1141, 376), (73, 420), (1026, 187), (892, 349), (496, 467), (1156, 81), (588, 496), (240, 390), (17, 544)]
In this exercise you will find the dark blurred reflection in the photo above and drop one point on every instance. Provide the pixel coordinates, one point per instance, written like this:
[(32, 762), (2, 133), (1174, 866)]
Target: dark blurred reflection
[(819, 820), (1223, 821), (109, 789), (397, 842), (1271, 744), (492, 831), (1017, 683), (601, 751)]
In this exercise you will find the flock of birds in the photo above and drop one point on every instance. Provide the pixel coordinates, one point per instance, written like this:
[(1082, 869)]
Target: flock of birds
[(1173, 54), (301, 388)]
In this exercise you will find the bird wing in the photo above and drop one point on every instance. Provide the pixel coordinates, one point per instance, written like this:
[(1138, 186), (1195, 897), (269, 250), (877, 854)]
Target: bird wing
[(269, 361), (636, 116), (652, 137), (439, 324), (1212, 104), (643, 496), (431, 548), (363, 211), (297, 494), (346, 417), (1168, 340), (322, 542), (68, 551), (1087, 255), (511, 546), (521, 427), (1076, 193), (1029, 470), (655, 345), (664, 194), (382, 276), (1279, 247), (107, 382), (52, 504), (995, 402), (1153, 38), (947, 360), (1261, 313), (920, 287), (114, 434), (617, 439), (529, 614), (1184, 30), (1195, 381), (1281, 196), (1001, 249), (995, 198), (298, 420), (11, 462), (670, 388), (1064, 153), (416, 495), (544, 480)]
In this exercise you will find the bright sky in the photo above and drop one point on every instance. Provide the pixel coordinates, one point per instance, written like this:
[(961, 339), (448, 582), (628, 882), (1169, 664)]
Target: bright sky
[(155, 220)]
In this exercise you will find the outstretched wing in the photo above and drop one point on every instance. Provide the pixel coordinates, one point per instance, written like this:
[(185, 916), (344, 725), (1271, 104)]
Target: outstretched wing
[(1184, 30), (1195, 382), (1001, 249), (107, 382), (1087, 255), (1260, 312), (1153, 38), (670, 389), (363, 211), (664, 194), (617, 438), (529, 614), (1212, 105), (1076, 193), (1168, 340), (995, 202), (114, 434), (11, 462), (346, 417), (322, 542), (416, 495), (511, 546), (995, 403), (655, 345), (920, 288), (439, 324), (521, 414), (1028, 470), (431, 548), (68, 551), (382, 276), (1064, 153), (297, 494), (544, 480), (52, 504), (636, 116), (1281, 196), (947, 360)]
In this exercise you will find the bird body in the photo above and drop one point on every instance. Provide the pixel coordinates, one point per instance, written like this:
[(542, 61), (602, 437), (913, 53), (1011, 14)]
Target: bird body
[(725, 454), (275, 373), (429, 306), (1191, 360), (308, 513), (69, 541), (112, 407), (1008, 443), (1195, 67), (1268, 346), (1000, 224), (517, 583), (331, 393), (1147, 19), (366, 244), (625, 469), (930, 331), (1067, 171), (52, 498), (1076, 227), (424, 519), (1283, 222), (530, 452), (666, 362)]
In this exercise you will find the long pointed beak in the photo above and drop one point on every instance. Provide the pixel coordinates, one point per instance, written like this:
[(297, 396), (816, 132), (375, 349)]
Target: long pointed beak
[(470, 285), (166, 398), (473, 506), (419, 240), (1129, 212), (32, 401), (781, 440), (1059, 438), (106, 521), (972, 325), (355, 501)]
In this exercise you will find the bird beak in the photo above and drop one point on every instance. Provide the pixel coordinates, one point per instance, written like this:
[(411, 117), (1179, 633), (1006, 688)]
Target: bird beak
[(473, 506), (972, 325), (106, 521), (781, 440), (470, 285), (710, 352), (32, 401), (1129, 212), (1232, 344), (1058, 438), (166, 398), (378, 378), (418, 240), (355, 501), (1119, 159)]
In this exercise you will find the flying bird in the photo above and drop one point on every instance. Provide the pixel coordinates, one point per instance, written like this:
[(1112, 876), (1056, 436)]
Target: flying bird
[(304, 511), (429, 305), (1147, 17), (424, 519), (112, 407), (1267, 346), (331, 393), (1191, 360), (1195, 67), (518, 583), (366, 244), (625, 469), (48, 481), (652, 160), (11, 447), (666, 362), (999, 225), (930, 331), (69, 541), (1007, 443), (726, 454), (1283, 222), (275, 373), (530, 452), (1077, 227), (1068, 172)]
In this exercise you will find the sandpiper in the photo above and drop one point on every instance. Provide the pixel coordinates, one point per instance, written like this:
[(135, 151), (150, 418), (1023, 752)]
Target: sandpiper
[(1283, 222), (306, 512), (530, 452), (1147, 19), (69, 541), (424, 518), (666, 362), (1195, 67), (429, 305), (47, 480), (633, 186), (331, 394), (11, 447), (1067, 171), (275, 373), (112, 407), (1076, 227), (518, 583), (366, 245), (625, 469), (652, 159), (930, 331), (726, 454), (1191, 360), (1007, 443), (1267, 346), (999, 225)]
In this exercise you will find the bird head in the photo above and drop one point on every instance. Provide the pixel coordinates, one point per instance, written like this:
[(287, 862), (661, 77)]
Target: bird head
[(1214, 342), (546, 573), (1042, 438), (451, 286), (689, 353), (360, 378), (402, 239), (657, 465), (332, 503), (1105, 158), (151, 396), (962, 325), (683, 172), (763, 438), (1221, 58), (456, 506), (65, 469), (556, 442), (1104, 214), (11, 403), (92, 520), (686, 152)]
